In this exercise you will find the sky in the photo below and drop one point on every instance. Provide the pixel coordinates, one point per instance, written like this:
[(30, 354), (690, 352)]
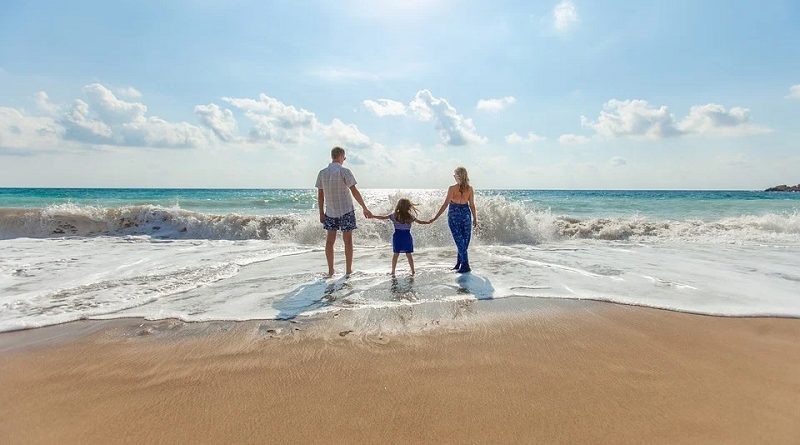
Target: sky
[(531, 94)]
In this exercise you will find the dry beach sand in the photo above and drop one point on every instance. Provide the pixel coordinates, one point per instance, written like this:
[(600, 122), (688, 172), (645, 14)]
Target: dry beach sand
[(564, 372)]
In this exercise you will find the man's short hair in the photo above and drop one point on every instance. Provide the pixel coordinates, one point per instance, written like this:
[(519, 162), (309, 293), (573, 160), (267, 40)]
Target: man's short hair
[(337, 152)]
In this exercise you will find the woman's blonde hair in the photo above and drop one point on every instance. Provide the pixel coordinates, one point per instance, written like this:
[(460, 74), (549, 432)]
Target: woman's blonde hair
[(463, 179), (403, 211)]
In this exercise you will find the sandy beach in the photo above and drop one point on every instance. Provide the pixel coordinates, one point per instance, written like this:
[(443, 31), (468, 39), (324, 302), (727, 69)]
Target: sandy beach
[(573, 372)]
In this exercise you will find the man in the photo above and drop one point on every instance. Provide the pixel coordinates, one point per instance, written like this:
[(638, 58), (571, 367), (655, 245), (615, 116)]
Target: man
[(335, 184)]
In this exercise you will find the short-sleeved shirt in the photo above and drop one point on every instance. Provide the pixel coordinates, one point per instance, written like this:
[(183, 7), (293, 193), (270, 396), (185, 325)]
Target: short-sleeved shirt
[(335, 182), (398, 225)]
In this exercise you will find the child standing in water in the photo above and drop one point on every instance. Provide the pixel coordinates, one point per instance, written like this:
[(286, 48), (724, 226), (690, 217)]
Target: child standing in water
[(404, 215)]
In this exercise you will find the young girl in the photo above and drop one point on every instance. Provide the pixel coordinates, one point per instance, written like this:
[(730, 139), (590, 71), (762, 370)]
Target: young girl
[(404, 215)]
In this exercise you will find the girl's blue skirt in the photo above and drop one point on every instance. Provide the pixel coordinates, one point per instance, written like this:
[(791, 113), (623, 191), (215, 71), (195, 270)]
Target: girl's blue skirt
[(402, 241)]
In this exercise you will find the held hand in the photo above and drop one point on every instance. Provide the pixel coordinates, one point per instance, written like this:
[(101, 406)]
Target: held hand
[(367, 213)]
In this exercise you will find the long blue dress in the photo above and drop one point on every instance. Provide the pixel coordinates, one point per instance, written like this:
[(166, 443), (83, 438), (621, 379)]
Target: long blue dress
[(459, 218)]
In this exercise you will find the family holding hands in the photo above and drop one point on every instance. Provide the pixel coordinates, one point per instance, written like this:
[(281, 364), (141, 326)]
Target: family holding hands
[(336, 188)]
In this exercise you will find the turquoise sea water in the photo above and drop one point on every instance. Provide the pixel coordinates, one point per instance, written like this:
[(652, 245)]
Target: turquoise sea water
[(671, 205)]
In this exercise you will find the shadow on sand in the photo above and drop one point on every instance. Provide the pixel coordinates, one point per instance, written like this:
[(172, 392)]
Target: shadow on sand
[(478, 286), (307, 297)]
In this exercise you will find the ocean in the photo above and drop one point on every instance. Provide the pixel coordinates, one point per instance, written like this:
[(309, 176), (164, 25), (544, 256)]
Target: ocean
[(197, 254)]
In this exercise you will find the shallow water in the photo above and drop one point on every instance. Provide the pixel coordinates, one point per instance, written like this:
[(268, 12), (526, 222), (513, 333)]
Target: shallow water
[(66, 261)]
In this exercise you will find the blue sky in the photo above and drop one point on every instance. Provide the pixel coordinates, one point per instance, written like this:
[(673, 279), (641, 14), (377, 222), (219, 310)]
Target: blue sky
[(554, 94)]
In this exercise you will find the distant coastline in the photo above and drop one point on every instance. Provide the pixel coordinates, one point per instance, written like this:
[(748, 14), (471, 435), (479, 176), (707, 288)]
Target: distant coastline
[(784, 188)]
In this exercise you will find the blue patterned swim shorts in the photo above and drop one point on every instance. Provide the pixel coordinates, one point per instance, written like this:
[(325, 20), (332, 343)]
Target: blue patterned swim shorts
[(345, 223)]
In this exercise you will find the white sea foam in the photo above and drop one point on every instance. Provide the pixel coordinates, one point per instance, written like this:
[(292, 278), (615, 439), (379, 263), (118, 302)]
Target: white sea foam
[(68, 262), (47, 281), (501, 222)]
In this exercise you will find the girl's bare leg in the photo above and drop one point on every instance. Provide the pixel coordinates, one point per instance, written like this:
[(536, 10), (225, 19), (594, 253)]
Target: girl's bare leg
[(394, 262), (410, 258)]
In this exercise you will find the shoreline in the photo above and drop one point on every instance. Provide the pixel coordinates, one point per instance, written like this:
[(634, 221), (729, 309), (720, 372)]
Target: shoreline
[(561, 371), (67, 325)]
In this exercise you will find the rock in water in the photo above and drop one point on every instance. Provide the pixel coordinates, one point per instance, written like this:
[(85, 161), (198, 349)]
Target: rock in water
[(784, 188)]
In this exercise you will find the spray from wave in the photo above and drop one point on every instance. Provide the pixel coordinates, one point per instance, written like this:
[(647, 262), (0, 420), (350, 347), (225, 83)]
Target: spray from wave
[(501, 222)]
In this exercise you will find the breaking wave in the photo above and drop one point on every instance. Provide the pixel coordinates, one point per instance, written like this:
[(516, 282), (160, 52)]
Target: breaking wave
[(502, 222)]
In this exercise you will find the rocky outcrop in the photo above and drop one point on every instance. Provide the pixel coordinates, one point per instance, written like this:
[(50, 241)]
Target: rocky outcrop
[(784, 188)]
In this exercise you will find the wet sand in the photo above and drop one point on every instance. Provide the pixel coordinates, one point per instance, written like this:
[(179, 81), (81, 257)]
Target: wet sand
[(574, 372)]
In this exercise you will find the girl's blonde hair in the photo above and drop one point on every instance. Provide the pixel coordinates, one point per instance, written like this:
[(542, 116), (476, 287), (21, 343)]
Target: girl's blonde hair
[(463, 179), (403, 211)]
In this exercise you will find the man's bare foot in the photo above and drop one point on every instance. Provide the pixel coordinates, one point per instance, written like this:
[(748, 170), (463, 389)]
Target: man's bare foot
[(330, 274), (348, 273)]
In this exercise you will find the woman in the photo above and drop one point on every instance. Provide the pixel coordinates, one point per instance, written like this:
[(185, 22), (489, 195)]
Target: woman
[(461, 216)]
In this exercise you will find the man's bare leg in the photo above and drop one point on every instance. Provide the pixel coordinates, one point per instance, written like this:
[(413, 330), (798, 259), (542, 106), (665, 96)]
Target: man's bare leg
[(329, 242), (348, 251)]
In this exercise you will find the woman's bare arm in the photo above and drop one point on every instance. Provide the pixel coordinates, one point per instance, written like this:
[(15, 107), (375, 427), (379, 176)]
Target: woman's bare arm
[(444, 204)]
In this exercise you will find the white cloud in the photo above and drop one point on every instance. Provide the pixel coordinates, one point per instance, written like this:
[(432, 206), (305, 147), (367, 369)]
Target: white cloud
[(83, 128), (19, 131), (110, 108), (495, 105), (44, 105), (220, 121), (573, 139), (714, 119), (794, 92), (105, 119), (565, 16), (385, 107), (275, 121), (633, 118), (638, 119), (156, 132), (129, 92), (454, 129), (531, 138), (346, 135), (618, 161)]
